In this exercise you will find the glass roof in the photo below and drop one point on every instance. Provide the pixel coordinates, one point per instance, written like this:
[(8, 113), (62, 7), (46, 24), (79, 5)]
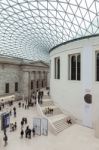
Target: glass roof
[(30, 28)]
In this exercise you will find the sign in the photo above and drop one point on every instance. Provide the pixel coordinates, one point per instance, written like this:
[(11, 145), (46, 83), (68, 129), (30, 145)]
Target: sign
[(5, 120)]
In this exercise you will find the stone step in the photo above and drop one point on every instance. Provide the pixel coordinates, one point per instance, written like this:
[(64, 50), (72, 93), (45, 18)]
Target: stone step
[(61, 129), (47, 103), (46, 97), (60, 125), (59, 121)]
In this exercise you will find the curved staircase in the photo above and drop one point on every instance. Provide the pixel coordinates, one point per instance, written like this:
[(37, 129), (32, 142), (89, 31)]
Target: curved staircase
[(57, 119)]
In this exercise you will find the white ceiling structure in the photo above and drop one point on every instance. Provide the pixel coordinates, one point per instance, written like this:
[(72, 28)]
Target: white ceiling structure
[(30, 28)]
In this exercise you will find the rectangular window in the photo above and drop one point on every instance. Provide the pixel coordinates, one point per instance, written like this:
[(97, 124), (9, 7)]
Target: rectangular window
[(31, 84), (97, 66), (16, 86), (57, 67), (7, 88), (74, 67)]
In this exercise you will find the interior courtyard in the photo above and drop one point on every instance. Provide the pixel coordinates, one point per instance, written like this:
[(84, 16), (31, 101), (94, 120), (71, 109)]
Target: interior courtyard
[(49, 74)]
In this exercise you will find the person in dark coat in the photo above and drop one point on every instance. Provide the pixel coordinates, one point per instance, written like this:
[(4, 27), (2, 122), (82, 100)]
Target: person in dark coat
[(15, 126), (14, 113), (22, 123), (22, 133), (26, 131), (29, 133), (33, 131)]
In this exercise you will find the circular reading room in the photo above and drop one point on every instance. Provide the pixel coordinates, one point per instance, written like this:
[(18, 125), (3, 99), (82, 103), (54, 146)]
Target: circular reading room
[(49, 74), (74, 78)]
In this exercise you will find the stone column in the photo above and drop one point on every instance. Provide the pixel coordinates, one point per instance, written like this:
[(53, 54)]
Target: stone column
[(34, 81), (45, 78), (29, 85), (25, 84), (40, 80), (48, 79)]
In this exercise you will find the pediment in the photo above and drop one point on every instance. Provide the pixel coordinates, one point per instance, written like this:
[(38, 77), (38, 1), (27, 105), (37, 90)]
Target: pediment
[(40, 64)]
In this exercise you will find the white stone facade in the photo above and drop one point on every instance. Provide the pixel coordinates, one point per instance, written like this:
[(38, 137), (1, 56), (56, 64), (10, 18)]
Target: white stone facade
[(69, 94)]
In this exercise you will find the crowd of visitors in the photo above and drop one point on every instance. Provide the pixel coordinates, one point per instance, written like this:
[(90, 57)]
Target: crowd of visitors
[(49, 110), (25, 129)]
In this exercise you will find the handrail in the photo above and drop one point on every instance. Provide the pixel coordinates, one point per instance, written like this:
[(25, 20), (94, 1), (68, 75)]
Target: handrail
[(51, 126)]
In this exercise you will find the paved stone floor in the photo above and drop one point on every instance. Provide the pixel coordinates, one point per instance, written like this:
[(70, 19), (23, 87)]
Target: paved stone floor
[(73, 138)]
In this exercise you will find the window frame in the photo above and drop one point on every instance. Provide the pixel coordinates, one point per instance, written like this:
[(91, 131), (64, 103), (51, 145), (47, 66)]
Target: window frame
[(97, 52), (7, 88), (16, 86), (70, 65), (57, 67)]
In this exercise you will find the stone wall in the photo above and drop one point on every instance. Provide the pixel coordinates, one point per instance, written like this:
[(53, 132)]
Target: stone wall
[(14, 71), (9, 74)]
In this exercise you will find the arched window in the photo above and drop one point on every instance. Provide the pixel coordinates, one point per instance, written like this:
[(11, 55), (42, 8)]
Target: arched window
[(78, 67), (74, 67), (57, 68), (97, 67)]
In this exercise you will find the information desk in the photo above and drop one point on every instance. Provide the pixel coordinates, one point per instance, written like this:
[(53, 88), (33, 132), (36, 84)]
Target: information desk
[(5, 99)]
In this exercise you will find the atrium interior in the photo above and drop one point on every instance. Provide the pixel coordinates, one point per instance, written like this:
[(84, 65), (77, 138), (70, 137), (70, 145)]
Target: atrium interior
[(49, 74)]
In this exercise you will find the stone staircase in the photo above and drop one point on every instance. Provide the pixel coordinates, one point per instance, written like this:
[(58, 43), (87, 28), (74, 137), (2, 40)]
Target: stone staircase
[(57, 119), (47, 103), (60, 125)]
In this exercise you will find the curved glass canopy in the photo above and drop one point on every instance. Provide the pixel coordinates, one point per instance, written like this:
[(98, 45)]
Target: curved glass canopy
[(30, 28)]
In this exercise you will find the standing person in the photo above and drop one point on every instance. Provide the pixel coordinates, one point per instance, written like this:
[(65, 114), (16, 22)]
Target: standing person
[(5, 138), (22, 133), (14, 113), (14, 108), (10, 112), (23, 105), (26, 131), (33, 131), (3, 105), (29, 132), (15, 125), (25, 120), (22, 123)]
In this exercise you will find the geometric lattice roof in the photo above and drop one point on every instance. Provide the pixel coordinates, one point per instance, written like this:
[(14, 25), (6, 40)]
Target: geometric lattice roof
[(30, 28)]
